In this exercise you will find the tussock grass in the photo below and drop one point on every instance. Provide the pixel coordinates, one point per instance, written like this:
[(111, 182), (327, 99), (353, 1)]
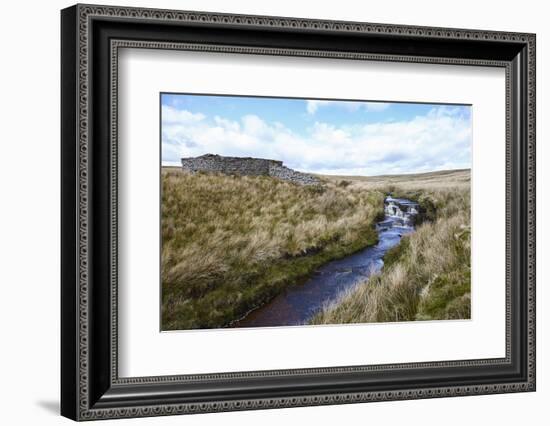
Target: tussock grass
[(231, 243), (427, 276)]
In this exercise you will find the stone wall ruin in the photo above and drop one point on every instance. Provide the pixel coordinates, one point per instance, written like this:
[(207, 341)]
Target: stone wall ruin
[(246, 166)]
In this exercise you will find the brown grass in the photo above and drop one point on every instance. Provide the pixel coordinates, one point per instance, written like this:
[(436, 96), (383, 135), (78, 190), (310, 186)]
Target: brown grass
[(231, 243)]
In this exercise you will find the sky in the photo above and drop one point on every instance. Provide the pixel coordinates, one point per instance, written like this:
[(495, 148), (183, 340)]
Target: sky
[(319, 136)]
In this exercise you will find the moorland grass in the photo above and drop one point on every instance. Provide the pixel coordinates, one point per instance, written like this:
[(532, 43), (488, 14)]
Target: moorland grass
[(231, 243)]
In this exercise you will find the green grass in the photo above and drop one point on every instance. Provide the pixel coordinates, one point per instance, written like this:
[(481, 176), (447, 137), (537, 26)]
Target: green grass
[(396, 253), (231, 243)]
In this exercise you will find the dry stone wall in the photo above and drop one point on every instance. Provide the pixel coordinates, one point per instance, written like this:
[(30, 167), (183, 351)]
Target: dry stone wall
[(284, 173), (246, 166)]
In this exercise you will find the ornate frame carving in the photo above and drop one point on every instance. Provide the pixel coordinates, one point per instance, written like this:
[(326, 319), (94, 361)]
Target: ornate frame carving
[(84, 397)]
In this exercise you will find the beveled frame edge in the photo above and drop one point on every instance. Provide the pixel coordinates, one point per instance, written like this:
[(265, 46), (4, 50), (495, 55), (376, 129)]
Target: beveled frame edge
[(75, 163), (115, 45)]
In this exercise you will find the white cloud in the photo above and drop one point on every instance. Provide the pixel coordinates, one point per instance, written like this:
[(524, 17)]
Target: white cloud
[(232, 125), (254, 125), (313, 105), (436, 141), (376, 106), (174, 115)]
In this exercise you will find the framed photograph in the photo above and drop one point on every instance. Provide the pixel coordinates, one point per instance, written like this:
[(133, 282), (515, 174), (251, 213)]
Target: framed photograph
[(263, 212)]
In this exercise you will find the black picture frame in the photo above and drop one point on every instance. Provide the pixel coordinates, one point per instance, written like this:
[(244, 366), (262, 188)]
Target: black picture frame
[(90, 386)]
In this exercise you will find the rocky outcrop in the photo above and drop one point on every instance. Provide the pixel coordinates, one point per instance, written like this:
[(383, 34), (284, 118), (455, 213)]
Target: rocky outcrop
[(246, 166)]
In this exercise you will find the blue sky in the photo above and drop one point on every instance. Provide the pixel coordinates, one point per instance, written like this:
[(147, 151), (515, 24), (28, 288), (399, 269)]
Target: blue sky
[(319, 136)]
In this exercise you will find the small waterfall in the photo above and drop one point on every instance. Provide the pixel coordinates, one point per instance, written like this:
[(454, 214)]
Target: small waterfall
[(393, 210), (400, 212)]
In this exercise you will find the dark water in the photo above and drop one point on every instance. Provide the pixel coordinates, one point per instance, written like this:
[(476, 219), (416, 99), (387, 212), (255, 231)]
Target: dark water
[(300, 302)]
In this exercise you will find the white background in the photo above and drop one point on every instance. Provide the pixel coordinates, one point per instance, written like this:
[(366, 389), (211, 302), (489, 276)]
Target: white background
[(146, 352), (29, 225)]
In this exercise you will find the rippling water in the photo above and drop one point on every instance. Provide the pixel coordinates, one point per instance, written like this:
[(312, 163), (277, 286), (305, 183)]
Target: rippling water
[(297, 304)]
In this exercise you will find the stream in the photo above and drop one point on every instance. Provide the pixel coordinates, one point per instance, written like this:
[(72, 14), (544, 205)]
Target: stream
[(297, 304)]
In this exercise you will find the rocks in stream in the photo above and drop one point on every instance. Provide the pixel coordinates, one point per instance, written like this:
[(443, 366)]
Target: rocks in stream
[(401, 212)]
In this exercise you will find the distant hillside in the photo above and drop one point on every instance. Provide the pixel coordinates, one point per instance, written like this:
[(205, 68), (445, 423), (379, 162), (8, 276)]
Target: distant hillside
[(440, 179), (454, 175)]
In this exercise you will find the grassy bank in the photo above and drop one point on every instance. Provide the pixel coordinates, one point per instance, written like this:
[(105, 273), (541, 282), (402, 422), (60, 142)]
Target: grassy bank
[(230, 244), (427, 276)]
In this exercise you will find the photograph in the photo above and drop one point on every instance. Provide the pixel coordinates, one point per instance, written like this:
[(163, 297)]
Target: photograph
[(283, 211)]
